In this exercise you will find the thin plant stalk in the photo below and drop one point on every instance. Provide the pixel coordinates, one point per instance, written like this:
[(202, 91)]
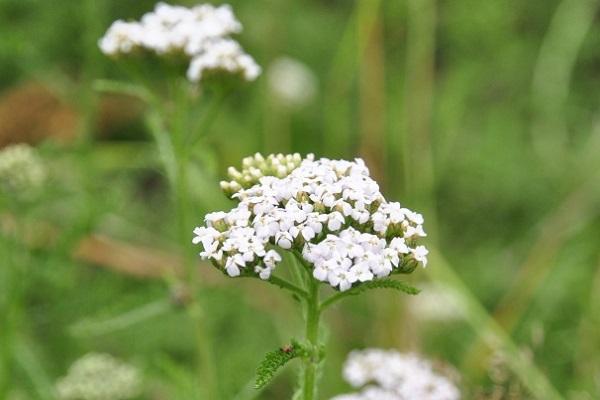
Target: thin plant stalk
[(312, 319), (173, 132), (170, 130)]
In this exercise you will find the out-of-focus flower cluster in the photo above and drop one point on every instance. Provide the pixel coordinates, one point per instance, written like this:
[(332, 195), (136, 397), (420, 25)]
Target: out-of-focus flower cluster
[(22, 172), (201, 33), (391, 375), (100, 377), (437, 302), (291, 82), (328, 211)]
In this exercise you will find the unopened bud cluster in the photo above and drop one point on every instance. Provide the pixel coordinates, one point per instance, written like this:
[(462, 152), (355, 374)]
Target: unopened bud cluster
[(390, 375), (201, 33), (330, 212), (257, 166), (22, 171), (100, 377)]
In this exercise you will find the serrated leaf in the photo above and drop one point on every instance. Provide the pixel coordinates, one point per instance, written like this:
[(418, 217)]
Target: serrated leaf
[(387, 283), (383, 284), (275, 360)]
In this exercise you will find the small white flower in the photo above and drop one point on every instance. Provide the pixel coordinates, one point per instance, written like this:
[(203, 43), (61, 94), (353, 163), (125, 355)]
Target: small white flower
[(232, 268), (272, 258), (335, 221), (362, 272), (284, 240), (420, 254), (308, 233)]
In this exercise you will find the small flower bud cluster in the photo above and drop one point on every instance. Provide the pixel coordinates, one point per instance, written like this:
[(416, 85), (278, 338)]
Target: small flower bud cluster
[(394, 376), (329, 211), (254, 168), (201, 33), (22, 171), (100, 377)]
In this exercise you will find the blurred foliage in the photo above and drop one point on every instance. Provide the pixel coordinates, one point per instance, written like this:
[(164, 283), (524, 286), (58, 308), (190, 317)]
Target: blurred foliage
[(483, 114)]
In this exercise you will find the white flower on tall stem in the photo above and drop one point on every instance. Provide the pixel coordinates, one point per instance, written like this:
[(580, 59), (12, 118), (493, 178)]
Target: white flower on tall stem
[(331, 212)]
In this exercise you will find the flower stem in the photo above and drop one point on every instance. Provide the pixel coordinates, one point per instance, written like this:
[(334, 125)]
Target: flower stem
[(169, 127), (313, 315)]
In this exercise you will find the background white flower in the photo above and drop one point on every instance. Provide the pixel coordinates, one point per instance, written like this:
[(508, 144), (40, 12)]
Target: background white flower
[(201, 33), (394, 376), (291, 82), (22, 172), (99, 377)]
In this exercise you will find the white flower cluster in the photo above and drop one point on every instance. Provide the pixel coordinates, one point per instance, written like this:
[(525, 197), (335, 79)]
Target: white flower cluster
[(22, 171), (99, 377), (329, 211), (201, 33), (394, 376)]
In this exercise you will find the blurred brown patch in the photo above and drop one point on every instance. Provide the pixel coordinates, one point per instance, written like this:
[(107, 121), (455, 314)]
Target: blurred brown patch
[(116, 113), (31, 113), (128, 259)]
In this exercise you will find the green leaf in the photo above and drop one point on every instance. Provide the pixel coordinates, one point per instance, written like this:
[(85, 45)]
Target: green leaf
[(383, 284), (275, 360), (386, 283)]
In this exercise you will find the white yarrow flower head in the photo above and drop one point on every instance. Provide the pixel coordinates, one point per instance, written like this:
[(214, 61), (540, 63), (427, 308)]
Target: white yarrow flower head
[(22, 171), (329, 212), (100, 377), (390, 375), (201, 34)]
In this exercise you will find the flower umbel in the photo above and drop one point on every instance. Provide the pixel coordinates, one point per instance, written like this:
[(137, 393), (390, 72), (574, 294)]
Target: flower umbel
[(99, 377), (391, 375), (201, 34), (22, 172), (329, 212)]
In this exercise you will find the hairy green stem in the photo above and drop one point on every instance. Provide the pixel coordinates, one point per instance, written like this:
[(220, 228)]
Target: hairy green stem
[(311, 363)]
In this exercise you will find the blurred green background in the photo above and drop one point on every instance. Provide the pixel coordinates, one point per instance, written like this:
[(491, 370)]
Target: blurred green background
[(484, 115)]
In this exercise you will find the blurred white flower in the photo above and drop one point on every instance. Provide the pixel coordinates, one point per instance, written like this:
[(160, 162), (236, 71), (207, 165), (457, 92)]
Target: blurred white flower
[(437, 303), (99, 377), (391, 375), (22, 172), (201, 33), (323, 209), (223, 55), (291, 82)]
